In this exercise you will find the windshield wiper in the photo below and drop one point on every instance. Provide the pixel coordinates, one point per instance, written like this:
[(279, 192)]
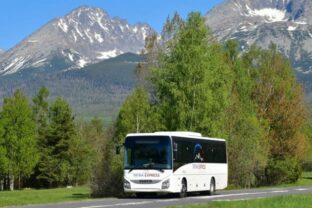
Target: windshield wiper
[(159, 169), (134, 167), (151, 166)]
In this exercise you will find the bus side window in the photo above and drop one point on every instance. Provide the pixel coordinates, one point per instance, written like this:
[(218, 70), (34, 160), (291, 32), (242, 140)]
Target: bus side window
[(175, 151)]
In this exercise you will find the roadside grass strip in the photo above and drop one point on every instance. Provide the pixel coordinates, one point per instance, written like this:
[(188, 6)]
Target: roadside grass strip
[(33, 196), (289, 201)]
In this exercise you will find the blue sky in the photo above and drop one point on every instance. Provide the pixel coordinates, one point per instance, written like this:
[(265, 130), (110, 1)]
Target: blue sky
[(19, 18)]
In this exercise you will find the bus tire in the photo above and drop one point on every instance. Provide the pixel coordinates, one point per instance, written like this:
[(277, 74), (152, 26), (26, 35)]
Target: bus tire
[(183, 192), (212, 187)]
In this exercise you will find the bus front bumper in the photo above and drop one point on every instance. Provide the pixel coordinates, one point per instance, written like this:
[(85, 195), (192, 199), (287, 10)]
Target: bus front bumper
[(161, 187)]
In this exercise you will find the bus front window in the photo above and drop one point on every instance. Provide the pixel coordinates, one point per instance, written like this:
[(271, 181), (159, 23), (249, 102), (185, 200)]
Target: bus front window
[(146, 152)]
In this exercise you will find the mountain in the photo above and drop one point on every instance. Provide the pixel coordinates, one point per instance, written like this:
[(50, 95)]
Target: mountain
[(287, 23), (1, 51), (85, 36), (94, 90)]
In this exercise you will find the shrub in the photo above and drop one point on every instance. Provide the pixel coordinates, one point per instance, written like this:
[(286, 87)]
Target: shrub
[(283, 171), (307, 166)]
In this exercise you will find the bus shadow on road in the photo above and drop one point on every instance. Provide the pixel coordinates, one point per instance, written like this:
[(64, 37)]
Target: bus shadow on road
[(161, 196)]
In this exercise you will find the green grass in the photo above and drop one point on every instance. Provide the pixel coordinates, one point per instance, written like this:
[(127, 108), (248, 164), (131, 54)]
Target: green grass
[(304, 180), (292, 201), (32, 196)]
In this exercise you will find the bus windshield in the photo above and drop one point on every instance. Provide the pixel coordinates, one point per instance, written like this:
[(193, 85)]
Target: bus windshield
[(148, 152)]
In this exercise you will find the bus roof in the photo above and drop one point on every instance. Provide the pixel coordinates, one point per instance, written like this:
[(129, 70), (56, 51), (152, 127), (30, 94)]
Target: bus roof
[(186, 134)]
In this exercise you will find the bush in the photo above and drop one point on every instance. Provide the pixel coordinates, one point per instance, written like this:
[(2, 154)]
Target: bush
[(307, 166), (283, 171), (108, 175)]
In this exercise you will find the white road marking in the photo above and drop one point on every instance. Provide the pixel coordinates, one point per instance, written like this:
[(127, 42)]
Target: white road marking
[(242, 199), (302, 189), (226, 195), (280, 191), (166, 200)]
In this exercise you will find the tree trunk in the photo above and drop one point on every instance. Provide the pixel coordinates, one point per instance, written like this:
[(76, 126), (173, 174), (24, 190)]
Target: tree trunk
[(19, 182), (1, 184), (11, 182)]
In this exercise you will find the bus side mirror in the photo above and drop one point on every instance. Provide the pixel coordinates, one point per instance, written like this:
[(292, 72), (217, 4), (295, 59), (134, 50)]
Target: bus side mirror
[(118, 150), (118, 147)]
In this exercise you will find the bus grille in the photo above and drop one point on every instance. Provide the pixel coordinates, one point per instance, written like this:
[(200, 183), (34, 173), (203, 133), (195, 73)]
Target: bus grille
[(145, 181)]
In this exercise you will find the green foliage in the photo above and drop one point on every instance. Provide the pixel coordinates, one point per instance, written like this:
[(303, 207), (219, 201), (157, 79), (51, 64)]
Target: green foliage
[(246, 135), (3, 152), (108, 173), (280, 103), (135, 114), (43, 144), (283, 171), (67, 155), (192, 82), (82, 160), (55, 167), (19, 136)]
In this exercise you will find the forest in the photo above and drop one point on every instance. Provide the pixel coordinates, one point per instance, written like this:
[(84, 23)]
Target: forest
[(186, 82)]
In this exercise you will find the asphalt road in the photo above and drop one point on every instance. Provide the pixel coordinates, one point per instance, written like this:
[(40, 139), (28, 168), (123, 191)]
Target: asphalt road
[(163, 201)]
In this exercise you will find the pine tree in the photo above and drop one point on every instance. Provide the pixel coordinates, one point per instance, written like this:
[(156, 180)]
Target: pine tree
[(40, 113), (19, 137), (57, 155)]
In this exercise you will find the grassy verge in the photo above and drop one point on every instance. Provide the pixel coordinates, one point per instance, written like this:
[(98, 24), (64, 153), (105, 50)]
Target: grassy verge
[(31, 196), (292, 201), (304, 180)]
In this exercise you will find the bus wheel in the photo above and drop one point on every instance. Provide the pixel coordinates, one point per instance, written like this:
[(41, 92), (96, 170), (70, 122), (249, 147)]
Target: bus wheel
[(212, 188), (183, 192)]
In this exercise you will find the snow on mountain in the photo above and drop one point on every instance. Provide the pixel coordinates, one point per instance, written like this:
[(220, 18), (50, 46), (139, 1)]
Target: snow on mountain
[(86, 35), (269, 14), (287, 23)]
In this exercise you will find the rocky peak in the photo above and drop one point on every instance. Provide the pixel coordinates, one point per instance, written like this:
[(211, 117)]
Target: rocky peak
[(83, 36), (287, 23)]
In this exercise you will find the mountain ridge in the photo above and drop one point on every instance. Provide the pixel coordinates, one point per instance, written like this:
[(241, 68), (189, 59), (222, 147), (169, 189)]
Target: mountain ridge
[(287, 23), (96, 90), (84, 36)]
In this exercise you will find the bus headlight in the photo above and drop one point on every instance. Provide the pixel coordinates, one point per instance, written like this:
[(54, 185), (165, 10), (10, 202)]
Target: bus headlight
[(127, 184), (165, 184)]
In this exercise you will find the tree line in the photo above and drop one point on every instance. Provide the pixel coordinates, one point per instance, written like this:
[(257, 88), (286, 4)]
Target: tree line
[(42, 145), (187, 82), (190, 82)]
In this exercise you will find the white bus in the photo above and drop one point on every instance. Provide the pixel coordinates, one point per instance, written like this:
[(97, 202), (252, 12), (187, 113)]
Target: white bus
[(174, 162)]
